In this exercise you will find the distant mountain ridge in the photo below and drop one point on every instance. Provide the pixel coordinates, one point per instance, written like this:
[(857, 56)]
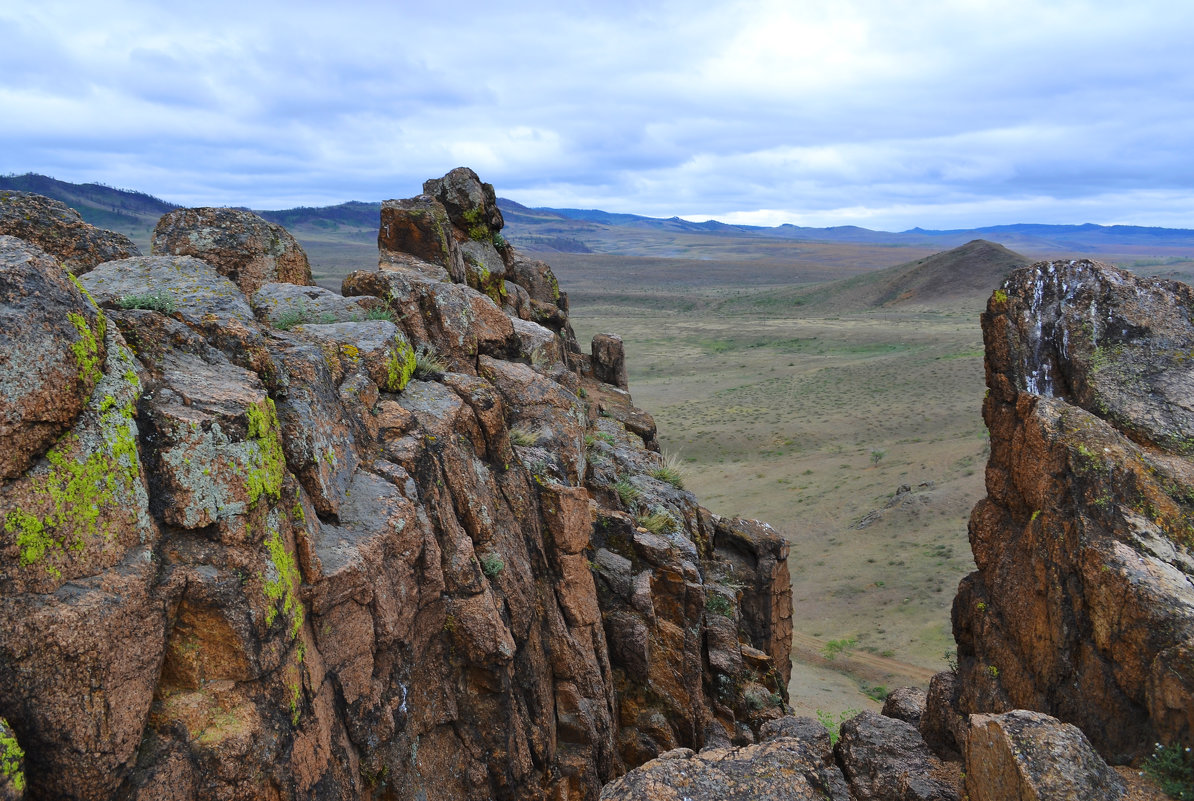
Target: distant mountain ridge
[(593, 230)]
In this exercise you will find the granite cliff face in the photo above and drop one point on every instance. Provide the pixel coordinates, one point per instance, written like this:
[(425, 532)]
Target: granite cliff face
[(264, 541)]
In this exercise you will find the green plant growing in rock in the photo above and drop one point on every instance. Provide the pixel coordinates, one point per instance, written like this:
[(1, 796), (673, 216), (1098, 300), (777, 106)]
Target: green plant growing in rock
[(671, 471), (658, 521), (491, 564), (719, 604), (627, 492), (525, 437), (298, 314), (429, 363), (160, 301), (833, 723), (1172, 768), (380, 314)]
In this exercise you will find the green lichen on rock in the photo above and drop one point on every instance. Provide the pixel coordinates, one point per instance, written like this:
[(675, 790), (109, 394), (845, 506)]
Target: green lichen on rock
[(282, 589), (267, 461), (76, 496), (12, 759), (400, 366), (87, 349), (477, 230)]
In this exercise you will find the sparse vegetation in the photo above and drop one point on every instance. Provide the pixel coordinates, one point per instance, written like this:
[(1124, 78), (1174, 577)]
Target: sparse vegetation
[(833, 723), (835, 647), (718, 604), (627, 492), (525, 437), (671, 471), (491, 564), (160, 301), (658, 521), (429, 363), (1172, 768)]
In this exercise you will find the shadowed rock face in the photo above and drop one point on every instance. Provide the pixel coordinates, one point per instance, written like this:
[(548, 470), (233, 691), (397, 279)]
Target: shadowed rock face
[(1082, 606), (59, 230), (250, 561)]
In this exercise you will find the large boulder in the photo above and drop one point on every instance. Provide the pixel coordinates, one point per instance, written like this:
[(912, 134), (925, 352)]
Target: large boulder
[(1082, 605), (248, 250), (1030, 756), (885, 759), (51, 353), (471, 204), (59, 230)]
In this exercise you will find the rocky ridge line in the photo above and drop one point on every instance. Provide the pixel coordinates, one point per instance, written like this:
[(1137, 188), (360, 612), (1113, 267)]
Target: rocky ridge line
[(404, 542)]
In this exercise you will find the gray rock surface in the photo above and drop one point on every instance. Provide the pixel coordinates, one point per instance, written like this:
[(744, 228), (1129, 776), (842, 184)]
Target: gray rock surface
[(59, 230), (885, 759)]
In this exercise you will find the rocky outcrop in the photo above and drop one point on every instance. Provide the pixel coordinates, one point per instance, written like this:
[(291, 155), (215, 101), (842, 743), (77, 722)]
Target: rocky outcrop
[(243, 247), (59, 230), (372, 546), (793, 763), (1082, 606), (1031, 756)]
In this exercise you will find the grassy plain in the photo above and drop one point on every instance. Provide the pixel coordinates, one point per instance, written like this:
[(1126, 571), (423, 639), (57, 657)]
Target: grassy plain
[(812, 422)]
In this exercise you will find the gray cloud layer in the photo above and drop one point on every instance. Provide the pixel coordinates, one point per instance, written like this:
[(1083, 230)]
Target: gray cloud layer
[(939, 113)]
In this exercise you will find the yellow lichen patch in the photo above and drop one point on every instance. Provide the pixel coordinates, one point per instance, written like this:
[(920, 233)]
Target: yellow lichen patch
[(401, 364), (268, 466), (87, 348), (12, 757), (282, 589)]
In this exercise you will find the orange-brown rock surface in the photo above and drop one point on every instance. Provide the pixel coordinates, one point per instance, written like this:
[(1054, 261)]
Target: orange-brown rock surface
[(1082, 606), (59, 230), (309, 561)]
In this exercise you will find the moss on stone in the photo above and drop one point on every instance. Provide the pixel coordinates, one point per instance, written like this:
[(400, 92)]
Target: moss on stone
[(400, 366), (87, 348)]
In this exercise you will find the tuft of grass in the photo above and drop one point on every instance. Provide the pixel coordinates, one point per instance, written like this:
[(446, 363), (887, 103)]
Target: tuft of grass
[(292, 317), (670, 471), (159, 301), (380, 314), (429, 363), (525, 437), (659, 521), (627, 492), (1172, 768)]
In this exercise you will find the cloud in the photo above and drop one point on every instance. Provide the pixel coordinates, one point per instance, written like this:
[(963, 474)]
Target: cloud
[(897, 114)]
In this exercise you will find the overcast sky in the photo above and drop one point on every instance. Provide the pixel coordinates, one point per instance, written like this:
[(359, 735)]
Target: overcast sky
[(887, 114)]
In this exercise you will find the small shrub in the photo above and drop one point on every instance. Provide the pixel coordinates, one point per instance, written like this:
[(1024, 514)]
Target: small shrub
[(834, 722), (289, 318), (835, 647), (524, 437), (718, 604), (1172, 768), (159, 301), (659, 521), (429, 363), (492, 564), (876, 693), (877, 456)]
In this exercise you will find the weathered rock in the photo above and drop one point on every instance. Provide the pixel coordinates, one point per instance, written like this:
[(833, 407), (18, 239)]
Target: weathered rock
[(469, 202), (885, 759), (1082, 605), (419, 227), (609, 360), (340, 585), (942, 725), (248, 250), (59, 230), (288, 305), (1030, 756), (12, 765), (906, 704), (51, 353), (782, 769)]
